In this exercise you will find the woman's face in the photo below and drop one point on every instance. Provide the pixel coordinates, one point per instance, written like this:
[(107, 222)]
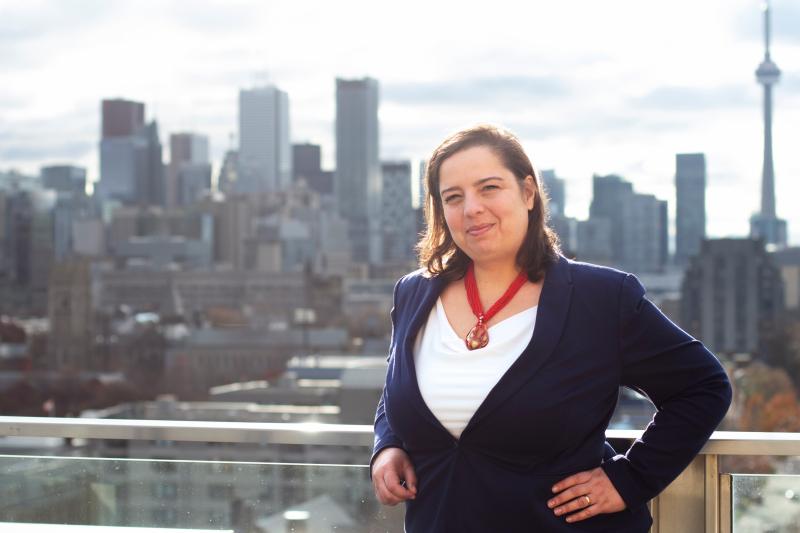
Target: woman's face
[(484, 206)]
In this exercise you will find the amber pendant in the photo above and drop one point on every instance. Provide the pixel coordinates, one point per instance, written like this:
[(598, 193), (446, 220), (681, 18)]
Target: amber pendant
[(478, 337)]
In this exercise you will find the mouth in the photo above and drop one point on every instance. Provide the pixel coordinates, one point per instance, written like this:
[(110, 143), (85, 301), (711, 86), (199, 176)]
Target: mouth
[(478, 229)]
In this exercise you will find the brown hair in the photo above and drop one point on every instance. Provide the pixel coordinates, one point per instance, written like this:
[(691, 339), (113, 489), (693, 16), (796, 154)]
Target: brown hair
[(438, 253)]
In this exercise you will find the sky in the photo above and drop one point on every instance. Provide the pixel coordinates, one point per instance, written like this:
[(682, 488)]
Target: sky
[(590, 87)]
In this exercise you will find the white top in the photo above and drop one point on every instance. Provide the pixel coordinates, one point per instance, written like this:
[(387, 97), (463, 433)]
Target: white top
[(453, 380)]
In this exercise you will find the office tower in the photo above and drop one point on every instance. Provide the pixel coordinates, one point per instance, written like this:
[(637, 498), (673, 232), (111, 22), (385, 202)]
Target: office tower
[(690, 205), (64, 178), (609, 195), (637, 225), (731, 296), (306, 165), (554, 187), (399, 224), (766, 224), (189, 172), (565, 227), (27, 249), (149, 166), (357, 182), (131, 168), (264, 149), (121, 118)]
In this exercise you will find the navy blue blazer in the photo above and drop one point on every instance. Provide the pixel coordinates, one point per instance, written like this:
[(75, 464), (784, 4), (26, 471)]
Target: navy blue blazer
[(546, 417)]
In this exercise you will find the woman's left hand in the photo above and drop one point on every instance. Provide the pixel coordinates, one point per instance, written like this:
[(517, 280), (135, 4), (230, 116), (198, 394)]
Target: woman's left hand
[(585, 494)]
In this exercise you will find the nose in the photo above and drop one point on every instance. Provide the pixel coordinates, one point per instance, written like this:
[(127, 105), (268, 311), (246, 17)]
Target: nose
[(473, 205)]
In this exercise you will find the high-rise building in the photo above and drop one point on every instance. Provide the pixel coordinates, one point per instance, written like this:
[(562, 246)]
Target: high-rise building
[(27, 249), (765, 224), (265, 162), (399, 224), (609, 195), (189, 171), (121, 118), (565, 227), (64, 178), (637, 225), (690, 205), (131, 167), (731, 296), (307, 165), (357, 181), (149, 166), (554, 186)]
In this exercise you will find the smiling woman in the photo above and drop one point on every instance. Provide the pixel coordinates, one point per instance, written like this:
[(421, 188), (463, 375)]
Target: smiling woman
[(506, 360)]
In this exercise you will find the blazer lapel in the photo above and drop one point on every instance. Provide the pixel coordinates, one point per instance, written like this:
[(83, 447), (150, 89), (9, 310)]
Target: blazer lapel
[(554, 302), (429, 288)]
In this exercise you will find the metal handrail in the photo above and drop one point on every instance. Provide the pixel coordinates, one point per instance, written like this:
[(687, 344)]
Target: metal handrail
[(721, 442)]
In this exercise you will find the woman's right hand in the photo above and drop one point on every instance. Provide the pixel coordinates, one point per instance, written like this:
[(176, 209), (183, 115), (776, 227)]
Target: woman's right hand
[(393, 476)]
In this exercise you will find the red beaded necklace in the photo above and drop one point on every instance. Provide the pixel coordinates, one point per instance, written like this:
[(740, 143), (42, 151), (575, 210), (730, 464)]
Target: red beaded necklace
[(478, 336)]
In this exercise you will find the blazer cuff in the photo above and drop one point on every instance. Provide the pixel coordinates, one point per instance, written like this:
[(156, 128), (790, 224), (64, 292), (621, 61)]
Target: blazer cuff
[(621, 474), (388, 443)]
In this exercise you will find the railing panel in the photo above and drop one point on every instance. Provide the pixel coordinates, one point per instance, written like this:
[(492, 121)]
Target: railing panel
[(765, 503), (201, 495)]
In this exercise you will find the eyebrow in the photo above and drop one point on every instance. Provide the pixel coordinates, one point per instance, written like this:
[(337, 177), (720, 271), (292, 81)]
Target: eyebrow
[(479, 182)]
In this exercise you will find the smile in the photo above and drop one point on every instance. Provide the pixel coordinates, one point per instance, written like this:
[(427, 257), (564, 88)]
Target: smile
[(479, 229)]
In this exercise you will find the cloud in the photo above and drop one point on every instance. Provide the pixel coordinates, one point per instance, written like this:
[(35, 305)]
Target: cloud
[(66, 150), (228, 17), (494, 91), (675, 98)]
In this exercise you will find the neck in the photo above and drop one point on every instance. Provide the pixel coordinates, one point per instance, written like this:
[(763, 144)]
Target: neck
[(491, 275)]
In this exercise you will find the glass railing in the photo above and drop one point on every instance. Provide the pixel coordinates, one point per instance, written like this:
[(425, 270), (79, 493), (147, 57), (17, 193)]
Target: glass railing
[(246, 477), (765, 503), (191, 495)]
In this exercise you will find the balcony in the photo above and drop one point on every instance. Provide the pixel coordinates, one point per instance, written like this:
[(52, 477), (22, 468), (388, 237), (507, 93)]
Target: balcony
[(144, 475)]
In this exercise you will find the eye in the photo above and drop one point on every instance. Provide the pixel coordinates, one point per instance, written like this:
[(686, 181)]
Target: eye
[(451, 198), (490, 187)]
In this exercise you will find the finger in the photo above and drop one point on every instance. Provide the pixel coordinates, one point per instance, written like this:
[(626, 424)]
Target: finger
[(384, 494), (577, 504), (575, 479), (588, 512), (393, 485), (568, 494), (410, 477)]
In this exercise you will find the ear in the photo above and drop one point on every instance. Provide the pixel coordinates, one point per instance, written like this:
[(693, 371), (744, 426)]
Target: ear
[(529, 192)]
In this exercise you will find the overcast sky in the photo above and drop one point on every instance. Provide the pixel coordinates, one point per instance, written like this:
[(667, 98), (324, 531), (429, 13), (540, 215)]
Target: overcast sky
[(590, 87)]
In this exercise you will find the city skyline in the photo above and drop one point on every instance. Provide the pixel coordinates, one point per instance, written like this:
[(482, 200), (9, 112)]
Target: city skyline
[(620, 96)]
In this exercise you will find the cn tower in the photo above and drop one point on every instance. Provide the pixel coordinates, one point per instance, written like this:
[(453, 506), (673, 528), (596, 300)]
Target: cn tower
[(766, 224)]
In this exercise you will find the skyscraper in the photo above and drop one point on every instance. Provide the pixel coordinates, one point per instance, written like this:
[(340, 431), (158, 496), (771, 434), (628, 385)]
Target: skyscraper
[(399, 220), (265, 157), (731, 296), (189, 170), (554, 186), (637, 225), (131, 168), (121, 118), (64, 178), (357, 181), (307, 165), (690, 205), (766, 224)]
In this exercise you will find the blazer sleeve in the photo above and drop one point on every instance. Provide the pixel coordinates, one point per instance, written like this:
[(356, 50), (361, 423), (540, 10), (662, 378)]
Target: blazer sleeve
[(685, 382), (384, 436)]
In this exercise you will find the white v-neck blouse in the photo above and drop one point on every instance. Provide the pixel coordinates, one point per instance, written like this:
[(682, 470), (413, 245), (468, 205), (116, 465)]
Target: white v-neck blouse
[(453, 380)]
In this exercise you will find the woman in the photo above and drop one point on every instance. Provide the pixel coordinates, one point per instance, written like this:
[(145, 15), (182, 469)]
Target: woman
[(505, 364)]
